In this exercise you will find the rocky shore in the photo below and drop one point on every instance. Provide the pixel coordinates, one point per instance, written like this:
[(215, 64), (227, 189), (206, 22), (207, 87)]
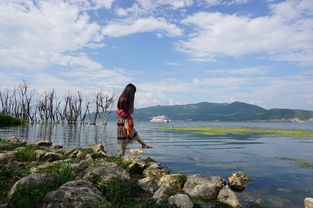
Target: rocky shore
[(46, 175)]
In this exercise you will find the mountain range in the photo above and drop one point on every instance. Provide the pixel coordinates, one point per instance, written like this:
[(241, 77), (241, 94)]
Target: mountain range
[(236, 111)]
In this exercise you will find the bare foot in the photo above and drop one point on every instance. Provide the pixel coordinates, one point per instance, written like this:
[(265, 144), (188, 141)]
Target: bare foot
[(145, 146)]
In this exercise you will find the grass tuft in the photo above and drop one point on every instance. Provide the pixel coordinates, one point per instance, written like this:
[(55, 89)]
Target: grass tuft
[(27, 154)]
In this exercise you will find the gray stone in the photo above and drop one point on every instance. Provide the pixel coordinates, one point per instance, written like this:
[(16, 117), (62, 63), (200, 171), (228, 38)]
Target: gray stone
[(227, 196), (15, 140), (78, 194), (196, 186), (237, 181), (80, 155), (308, 202), (148, 184), (155, 171), (56, 146), (104, 172), (180, 201), (34, 180), (44, 143), (98, 150), (7, 157), (83, 165), (19, 149), (69, 151), (173, 180), (40, 154), (51, 156), (164, 191), (137, 165)]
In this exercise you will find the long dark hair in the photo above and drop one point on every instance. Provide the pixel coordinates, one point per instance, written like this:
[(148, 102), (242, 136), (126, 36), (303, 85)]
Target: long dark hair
[(126, 99)]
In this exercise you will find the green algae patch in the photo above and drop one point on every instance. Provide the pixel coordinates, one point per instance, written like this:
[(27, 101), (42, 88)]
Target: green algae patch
[(244, 130), (300, 163)]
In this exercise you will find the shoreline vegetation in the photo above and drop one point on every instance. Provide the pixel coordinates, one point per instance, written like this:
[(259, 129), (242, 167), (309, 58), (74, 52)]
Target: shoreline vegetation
[(6, 120), (306, 134), (47, 175)]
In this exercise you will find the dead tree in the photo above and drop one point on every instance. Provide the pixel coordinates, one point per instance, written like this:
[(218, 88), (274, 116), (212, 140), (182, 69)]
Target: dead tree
[(105, 102)]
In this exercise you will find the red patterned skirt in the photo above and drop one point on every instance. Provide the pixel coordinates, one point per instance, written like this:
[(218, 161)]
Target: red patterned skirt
[(122, 132)]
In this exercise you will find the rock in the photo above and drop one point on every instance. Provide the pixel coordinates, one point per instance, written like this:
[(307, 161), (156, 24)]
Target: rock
[(137, 165), (136, 152), (164, 191), (5, 158), (155, 172), (80, 155), (180, 201), (196, 186), (237, 181), (34, 180), (308, 202), (98, 150), (44, 143), (14, 140), (56, 146), (40, 154), (69, 151), (148, 184), (174, 180), (40, 168), (83, 165), (78, 194), (73, 154), (227, 196), (104, 172), (51, 156), (19, 148)]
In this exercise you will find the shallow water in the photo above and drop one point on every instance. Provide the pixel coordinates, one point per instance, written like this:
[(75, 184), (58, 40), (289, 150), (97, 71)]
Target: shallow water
[(273, 163)]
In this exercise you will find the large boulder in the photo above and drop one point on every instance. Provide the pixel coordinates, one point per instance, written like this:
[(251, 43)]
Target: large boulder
[(155, 171), (148, 184), (308, 202), (103, 172), (78, 194), (237, 181), (196, 186), (227, 196), (34, 180), (164, 191), (174, 180), (180, 201)]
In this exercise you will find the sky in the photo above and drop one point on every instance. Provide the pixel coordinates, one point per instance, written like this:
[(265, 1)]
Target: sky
[(174, 51)]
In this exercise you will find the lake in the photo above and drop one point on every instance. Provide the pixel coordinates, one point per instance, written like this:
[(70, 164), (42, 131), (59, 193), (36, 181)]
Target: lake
[(280, 167)]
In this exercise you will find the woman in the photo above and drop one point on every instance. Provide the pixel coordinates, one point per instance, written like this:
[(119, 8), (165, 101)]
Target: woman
[(125, 124)]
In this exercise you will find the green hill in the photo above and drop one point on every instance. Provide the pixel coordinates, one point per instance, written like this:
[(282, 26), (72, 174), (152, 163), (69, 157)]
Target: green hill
[(236, 111)]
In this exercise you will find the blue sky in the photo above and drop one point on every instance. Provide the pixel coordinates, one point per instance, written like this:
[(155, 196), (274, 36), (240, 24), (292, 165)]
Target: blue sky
[(174, 51)]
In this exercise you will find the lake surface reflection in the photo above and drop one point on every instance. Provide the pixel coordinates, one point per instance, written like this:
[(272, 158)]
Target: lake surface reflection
[(275, 164)]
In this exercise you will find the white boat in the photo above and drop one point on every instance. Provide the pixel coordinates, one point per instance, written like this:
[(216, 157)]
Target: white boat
[(161, 118)]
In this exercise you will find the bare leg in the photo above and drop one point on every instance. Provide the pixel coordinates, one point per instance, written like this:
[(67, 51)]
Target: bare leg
[(143, 144), (123, 148)]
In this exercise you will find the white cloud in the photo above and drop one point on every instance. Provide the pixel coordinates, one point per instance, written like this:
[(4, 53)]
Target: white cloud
[(130, 26), (225, 2), (33, 34), (173, 63), (217, 35), (242, 71), (149, 7)]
